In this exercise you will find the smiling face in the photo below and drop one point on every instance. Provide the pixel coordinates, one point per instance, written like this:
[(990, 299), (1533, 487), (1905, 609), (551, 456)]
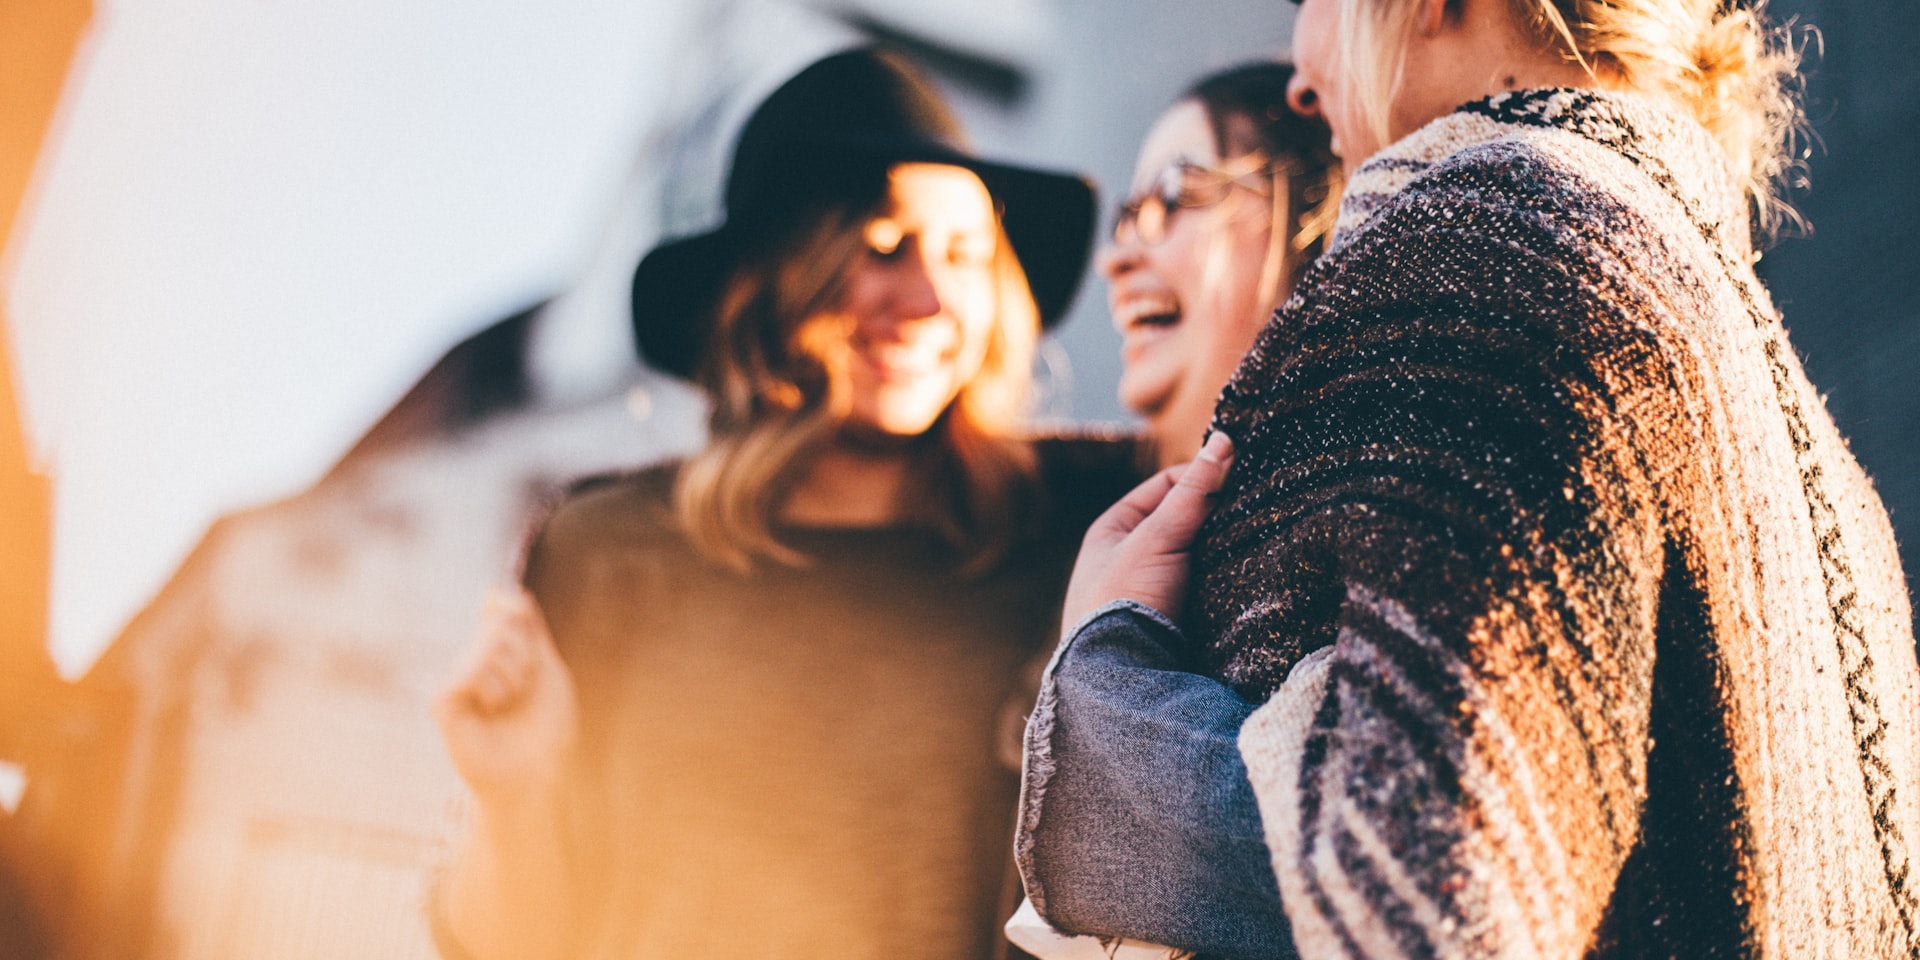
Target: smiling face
[(920, 301), (1189, 306)]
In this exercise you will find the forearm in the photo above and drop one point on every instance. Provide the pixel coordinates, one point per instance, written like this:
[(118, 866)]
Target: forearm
[(508, 894), (1137, 815)]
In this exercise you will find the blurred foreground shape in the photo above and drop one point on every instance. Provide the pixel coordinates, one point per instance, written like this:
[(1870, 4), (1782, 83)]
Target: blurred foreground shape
[(284, 791), (41, 718)]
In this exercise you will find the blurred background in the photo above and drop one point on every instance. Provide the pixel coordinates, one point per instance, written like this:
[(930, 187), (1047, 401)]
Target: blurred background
[(307, 307)]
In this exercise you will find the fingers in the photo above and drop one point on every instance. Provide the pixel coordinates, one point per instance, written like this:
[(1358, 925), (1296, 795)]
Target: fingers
[(1127, 513), (1208, 470), (1186, 504), (1137, 550), (506, 658)]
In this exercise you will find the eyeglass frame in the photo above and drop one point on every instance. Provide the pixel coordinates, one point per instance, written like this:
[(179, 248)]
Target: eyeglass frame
[(1168, 194)]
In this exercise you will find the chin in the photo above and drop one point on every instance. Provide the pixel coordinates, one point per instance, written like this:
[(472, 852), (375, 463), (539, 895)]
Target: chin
[(905, 429), (899, 424), (1144, 400), (900, 409)]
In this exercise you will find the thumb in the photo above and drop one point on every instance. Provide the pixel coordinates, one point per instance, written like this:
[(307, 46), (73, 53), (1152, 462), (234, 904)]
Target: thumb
[(1177, 518)]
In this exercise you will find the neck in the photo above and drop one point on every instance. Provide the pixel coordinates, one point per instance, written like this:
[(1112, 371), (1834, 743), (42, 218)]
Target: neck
[(1470, 52), (849, 486)]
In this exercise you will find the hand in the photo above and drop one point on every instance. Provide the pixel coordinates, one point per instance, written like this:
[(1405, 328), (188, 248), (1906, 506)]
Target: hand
[(1137, 550), (510, 717)]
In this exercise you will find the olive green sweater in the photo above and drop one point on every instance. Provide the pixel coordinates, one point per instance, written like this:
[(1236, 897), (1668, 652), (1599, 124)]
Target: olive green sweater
[(802, 762)]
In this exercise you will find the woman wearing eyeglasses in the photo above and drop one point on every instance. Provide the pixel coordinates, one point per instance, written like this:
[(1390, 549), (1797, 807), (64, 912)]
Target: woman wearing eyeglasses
[(1542, 610), (1233, 194)]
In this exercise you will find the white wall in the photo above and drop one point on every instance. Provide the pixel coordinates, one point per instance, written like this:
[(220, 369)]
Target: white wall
[(258, 223)]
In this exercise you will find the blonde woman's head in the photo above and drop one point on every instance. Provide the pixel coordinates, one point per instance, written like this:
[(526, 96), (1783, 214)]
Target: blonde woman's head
[(1367, 63)]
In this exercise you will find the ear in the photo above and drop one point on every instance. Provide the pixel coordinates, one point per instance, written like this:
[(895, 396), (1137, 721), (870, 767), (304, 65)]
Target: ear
[(1430, 16)]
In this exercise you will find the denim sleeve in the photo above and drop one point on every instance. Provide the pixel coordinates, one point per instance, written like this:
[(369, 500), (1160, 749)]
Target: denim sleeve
[(1136, 815)]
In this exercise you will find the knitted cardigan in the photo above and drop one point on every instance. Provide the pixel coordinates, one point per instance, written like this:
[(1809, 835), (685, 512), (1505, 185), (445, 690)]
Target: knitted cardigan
[(1578, 629)]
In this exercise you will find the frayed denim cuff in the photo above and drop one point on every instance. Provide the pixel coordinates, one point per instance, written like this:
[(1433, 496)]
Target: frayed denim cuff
[(1135, 803), (1036, 761), (1122, 605)]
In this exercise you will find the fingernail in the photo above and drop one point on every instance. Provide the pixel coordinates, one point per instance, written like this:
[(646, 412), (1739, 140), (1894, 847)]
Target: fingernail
[(1219, 446)]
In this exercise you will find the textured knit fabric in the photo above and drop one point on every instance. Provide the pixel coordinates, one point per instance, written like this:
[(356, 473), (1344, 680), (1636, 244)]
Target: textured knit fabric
[(1579, 630), (801, 763)]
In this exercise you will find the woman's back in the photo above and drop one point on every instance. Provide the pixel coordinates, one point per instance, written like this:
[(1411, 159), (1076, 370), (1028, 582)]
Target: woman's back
[(1577, 579)]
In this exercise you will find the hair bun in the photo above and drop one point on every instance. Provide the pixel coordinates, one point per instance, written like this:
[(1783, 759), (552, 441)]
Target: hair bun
[(1724, 56), (1743, 86)]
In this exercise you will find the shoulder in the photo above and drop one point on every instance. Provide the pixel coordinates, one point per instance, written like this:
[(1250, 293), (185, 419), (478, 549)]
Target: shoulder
[(602, 560), (1090, 462), (1532, 234), (1532, 191), (604, 511), (1089, 454), (1082, 471), (1571, 179)]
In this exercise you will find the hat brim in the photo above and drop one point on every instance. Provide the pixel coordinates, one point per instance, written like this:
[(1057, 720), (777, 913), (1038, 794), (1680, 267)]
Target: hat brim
[(1048, 218), (674, 290)]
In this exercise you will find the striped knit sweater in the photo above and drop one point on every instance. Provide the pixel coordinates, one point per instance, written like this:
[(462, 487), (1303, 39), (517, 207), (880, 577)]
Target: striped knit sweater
[(1579, 630)]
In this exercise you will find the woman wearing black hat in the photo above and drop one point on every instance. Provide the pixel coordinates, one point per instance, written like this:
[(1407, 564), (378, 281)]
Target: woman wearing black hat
[(750, 704)]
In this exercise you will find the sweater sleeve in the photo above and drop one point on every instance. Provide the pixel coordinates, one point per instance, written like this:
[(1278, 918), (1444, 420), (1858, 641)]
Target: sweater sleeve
[(1440, 571)]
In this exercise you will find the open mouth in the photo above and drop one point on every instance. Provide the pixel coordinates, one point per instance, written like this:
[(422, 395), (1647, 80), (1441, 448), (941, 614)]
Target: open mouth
[(1149, 312)]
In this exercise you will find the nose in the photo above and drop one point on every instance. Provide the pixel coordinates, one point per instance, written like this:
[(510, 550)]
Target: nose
[(913, 289), (1116, 259), (1300, 96)]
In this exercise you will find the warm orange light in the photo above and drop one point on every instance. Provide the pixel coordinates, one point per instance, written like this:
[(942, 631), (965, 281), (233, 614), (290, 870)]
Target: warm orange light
[(38, 39), (24, 541)]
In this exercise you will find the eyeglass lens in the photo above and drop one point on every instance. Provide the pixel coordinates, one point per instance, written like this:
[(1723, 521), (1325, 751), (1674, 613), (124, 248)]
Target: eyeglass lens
[(1147, 215)]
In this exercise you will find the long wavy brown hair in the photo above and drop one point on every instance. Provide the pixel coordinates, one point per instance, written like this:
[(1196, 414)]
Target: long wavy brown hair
[(779, 396)]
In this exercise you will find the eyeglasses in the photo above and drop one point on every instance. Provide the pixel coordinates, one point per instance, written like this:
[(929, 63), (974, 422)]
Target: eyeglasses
[(1146, 216)]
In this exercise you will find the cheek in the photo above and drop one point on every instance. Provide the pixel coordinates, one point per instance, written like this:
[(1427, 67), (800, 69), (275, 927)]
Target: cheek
[(1180, 261), (1316, 55), (1220, 266), (1235, 308), (975, 311), (1312, 41), (862, 290)]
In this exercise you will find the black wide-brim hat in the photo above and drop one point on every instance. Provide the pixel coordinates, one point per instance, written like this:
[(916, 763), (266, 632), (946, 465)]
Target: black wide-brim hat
[(829, 135)]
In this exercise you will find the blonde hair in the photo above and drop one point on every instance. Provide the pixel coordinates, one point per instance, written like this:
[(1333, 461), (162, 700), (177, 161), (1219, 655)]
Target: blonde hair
[(1737, 74), (772, 369)]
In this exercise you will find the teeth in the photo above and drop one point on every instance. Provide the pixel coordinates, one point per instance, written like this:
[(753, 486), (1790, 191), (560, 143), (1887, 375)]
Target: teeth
[(904, 358), (1153, 311)]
